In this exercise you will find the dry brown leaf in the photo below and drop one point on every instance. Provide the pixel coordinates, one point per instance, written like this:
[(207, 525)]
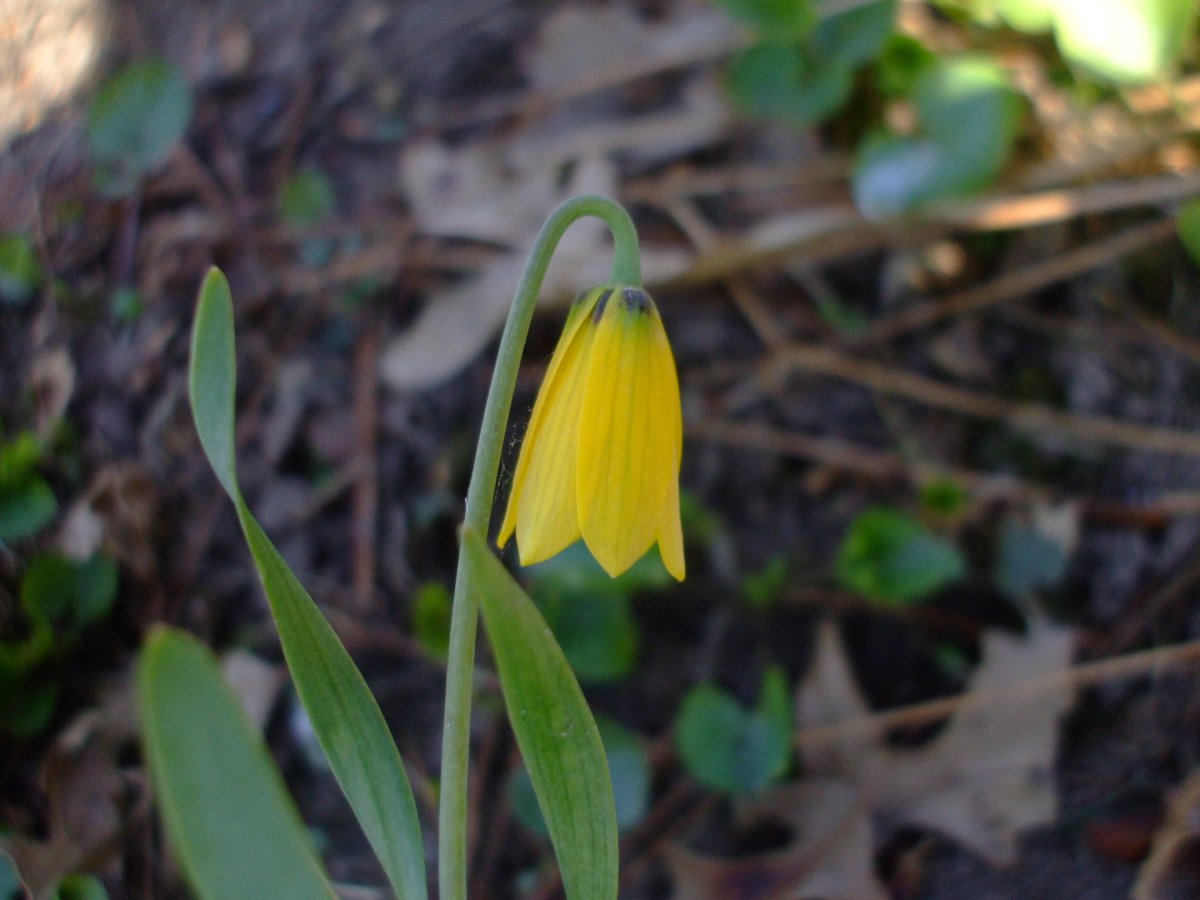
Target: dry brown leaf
[(473, 193), (52, 382), (665, 134), (117, 515), (1171, 872), (830, 855), (457, 324), (576, 40), (586, 46), (987, 777), (87, 797)]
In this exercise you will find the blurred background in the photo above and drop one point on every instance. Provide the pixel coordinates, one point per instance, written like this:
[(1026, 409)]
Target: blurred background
[(929, 273)]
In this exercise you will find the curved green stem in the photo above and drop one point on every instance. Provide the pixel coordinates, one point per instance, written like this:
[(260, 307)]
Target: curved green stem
[(456, 735)]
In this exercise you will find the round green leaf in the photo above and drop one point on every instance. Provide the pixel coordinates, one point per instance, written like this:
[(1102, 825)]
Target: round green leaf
[(785, 82), (855, 36), (969, 117), (25, 509), (891, 557), (70, 595), (730, 748), (138, 117), (597, 633), (775, 20), (901, 63)]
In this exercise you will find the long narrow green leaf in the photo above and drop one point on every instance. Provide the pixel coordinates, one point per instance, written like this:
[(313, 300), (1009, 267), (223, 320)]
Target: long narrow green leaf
[(228, 814), (347, 720), (555, 730)]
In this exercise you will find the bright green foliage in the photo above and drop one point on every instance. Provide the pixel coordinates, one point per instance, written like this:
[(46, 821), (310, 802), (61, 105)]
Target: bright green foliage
[(80, 887), (730, 748), (1026, 15), (431, 618), (590, 612), (779, 20), (1118, 41), (137, 118), (762, 589), (944, 497), (1027, 560), (890, 557), (782, 81), (25, 509), (901, 62), (1124, 41), (307, 198), (856, 36), (627, 765), (69, 595), (59, 598), (26, 502), (20, 273), (230, 820), (1187, 222), (805, 78), (969, 117), (559, 740), (347, 720)]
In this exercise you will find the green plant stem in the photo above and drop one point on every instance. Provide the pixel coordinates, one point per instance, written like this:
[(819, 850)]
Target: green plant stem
[(456, 735)]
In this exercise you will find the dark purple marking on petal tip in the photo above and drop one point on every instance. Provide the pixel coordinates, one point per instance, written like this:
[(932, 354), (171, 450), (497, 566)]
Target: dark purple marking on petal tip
[(598, 312), (636, 300)]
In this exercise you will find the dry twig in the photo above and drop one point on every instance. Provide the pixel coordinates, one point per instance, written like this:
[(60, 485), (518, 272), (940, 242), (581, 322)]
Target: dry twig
[(1143, 662), (1031, 418)]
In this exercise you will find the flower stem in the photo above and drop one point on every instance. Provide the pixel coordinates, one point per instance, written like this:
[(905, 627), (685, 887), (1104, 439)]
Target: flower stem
[(456, 735)]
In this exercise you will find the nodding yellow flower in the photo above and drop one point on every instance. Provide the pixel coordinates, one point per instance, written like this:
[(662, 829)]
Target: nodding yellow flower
[(600, 459)]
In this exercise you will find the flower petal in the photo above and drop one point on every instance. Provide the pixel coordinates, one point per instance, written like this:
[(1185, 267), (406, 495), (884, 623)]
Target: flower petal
[(541, 504), (670, 529), (629, 434), (670, 536)]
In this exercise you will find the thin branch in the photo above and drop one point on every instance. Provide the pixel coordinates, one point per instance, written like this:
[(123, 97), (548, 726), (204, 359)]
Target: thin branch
[(882, 465), (1084, 675), (1032, 418), (1019, 283)]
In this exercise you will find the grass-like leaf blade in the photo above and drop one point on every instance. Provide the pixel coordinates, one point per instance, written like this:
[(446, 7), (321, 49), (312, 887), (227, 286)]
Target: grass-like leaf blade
[(558, 738), (230, 819), (348, 722)]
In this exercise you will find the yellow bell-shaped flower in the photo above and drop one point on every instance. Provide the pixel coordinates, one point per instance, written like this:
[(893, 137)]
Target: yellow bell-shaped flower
[(600, 459)]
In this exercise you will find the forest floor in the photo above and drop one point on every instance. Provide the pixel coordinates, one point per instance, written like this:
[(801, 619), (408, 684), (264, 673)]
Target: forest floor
[(1016, 375)]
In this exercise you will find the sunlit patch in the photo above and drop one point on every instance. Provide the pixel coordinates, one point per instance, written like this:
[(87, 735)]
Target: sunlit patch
[(48, 51)]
